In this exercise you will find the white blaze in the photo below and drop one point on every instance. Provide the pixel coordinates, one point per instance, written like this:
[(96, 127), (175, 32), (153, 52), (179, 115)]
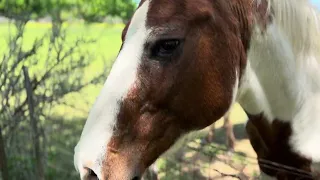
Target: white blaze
[(91, 148)]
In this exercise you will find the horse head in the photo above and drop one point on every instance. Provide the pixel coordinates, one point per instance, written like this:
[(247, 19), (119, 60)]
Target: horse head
[(179, 69)]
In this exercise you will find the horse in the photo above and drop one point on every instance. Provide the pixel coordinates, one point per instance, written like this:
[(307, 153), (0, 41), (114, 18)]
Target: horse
[(184, 63)]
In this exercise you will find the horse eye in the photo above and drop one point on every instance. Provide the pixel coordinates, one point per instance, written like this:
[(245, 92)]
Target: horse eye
[(164, 48)]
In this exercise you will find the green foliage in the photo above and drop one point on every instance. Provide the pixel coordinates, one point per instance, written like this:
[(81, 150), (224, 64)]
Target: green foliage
[(97, 9), (92, 11)]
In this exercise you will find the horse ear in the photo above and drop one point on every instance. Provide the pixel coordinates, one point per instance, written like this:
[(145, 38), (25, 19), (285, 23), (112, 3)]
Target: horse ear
[(256, 140)]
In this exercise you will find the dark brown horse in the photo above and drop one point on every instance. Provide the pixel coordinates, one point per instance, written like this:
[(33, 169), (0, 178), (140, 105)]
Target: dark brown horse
[(182, 65)]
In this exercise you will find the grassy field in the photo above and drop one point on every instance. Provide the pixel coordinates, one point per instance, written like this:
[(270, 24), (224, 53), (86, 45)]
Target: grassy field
[(105, 50)]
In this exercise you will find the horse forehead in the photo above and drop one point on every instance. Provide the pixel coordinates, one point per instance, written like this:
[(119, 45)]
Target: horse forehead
[(147, 14), (139, 19), (176, 10)]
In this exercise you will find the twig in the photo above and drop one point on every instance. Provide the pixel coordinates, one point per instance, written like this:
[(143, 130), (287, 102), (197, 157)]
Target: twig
[(227, 175)]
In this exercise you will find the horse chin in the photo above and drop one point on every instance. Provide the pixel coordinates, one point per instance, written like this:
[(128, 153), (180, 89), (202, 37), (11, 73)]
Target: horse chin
[(131, 162), (123, 168)]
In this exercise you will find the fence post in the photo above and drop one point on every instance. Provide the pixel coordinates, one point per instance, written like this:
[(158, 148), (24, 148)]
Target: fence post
[(33, 121)]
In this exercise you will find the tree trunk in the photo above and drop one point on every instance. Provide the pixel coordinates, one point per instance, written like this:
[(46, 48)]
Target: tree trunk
[(33, 122), (230, 138), (3, 159)]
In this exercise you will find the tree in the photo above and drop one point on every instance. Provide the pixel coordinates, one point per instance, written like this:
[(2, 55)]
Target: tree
[(98, 9), (34, 125), (91, 11)]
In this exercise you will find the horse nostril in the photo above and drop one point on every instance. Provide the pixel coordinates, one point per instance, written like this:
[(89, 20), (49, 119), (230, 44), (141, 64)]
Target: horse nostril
[(136, 178), (91, 175)]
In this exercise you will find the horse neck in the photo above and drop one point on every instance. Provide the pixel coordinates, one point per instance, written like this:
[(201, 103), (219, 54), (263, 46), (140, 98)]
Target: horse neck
[(271, 79), (282, 81)]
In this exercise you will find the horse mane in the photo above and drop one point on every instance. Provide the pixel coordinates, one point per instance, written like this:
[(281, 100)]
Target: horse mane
[(299, 21)]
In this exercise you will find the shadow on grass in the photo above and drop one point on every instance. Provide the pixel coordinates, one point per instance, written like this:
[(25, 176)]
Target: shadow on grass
[(62, 136)]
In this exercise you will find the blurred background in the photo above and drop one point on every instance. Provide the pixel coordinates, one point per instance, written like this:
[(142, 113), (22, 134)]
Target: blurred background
[(54, 58)]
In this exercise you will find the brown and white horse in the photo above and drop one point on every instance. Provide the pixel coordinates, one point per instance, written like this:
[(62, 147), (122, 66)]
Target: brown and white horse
[(183, 63)]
